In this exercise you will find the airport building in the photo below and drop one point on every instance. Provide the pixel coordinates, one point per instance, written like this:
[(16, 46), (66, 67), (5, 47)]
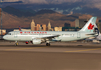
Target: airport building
[(35, 28), (100, 21), (70, 29), (67, 25), (58, 28), (80, 22), (99, 26), (32, 25), (3, 31), (38, 27), (52, 29), (44, 27), (49, 26)]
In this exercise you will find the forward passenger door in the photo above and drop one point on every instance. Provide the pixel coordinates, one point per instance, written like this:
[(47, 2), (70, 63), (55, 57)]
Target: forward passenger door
[(15, 34)]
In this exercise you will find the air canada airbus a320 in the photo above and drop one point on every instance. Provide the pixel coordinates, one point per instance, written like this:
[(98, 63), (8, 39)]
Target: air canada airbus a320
[(38, 37)]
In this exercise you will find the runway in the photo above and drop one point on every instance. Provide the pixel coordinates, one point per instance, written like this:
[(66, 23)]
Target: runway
[(58, 56), (55, 47)]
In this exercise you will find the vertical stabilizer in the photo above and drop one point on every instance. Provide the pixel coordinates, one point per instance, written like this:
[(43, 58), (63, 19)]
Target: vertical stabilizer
[(20, 28), (89, 26)]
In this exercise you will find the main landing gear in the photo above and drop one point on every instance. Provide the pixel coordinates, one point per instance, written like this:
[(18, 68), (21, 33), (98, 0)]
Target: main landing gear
[(47, 44)]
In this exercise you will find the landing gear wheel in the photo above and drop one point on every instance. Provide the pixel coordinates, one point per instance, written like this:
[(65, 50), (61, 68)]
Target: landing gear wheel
[(47, 44)]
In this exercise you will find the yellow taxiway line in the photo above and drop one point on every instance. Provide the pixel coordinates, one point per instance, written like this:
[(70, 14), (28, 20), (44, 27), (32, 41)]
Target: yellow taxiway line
[(84, 50), (23, 48)]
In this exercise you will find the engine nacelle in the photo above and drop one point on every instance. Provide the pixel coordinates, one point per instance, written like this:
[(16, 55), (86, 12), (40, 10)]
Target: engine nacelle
[(36, 41)]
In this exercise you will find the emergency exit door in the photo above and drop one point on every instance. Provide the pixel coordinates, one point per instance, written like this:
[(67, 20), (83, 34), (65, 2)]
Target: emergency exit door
[(78, 35), (15, 35)]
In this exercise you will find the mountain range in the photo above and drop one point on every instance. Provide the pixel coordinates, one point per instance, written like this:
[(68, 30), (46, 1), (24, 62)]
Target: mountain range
[(13, 18)]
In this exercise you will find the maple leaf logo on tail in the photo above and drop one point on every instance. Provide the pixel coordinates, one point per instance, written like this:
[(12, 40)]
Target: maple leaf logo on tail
[(90, 27)]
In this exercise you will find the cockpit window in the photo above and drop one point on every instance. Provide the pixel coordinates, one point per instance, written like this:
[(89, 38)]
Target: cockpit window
[(9, 34)]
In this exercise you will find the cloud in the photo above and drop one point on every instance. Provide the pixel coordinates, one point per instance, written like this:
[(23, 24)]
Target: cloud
[(93, 3), (87, 3), (10, 0), (44, 1), (26, 1)]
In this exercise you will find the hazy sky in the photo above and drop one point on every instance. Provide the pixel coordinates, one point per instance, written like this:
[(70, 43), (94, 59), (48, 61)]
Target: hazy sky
[(88, 3)]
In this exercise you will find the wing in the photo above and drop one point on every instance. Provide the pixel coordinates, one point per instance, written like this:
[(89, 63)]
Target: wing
[(49, 37)]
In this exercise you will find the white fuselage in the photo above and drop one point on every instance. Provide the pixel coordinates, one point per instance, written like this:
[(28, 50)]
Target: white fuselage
[(30, 35)]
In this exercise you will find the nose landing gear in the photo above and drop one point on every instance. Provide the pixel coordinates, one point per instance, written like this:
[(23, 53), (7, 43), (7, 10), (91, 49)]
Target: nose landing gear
[(16, 43)]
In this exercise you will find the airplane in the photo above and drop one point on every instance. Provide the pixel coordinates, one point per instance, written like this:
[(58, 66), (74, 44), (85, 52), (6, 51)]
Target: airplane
[(38, 37)]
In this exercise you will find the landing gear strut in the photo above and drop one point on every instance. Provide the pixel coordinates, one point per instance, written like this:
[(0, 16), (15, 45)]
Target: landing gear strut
[(16, 43), (47, 44)]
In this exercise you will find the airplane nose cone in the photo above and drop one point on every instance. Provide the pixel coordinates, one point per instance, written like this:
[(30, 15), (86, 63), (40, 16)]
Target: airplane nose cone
[(3, 37)]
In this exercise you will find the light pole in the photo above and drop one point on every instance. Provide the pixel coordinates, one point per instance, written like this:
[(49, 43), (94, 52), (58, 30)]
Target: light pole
[(1, 17)]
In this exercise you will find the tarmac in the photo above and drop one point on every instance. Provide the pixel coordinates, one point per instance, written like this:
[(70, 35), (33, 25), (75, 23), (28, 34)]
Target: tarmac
[(58, 56)]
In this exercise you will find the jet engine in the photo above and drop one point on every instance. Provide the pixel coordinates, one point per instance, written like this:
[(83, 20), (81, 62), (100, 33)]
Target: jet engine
[(36, 41)]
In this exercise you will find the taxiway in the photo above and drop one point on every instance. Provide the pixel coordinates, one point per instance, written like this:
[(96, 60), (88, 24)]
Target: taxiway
[(58, 56)]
